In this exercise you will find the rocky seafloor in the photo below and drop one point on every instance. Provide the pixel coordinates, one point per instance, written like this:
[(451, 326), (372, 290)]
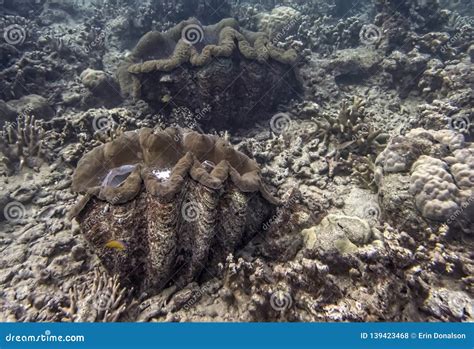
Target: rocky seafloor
[(353, 120)]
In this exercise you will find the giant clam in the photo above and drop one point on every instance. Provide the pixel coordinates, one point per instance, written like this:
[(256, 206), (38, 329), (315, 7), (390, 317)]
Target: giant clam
[(177, 201), (233, 76)]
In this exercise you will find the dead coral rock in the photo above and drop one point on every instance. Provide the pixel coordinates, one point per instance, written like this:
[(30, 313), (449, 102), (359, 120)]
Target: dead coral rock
[(242, 69), (7, 113), (103, 90), (171, 202), (405, 69), (449, 305), (325, 78), (338, 233), (282, 240), (33, 105)]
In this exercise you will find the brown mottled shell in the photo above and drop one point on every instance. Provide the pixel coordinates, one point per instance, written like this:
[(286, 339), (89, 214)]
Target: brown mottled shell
[(172, 228)]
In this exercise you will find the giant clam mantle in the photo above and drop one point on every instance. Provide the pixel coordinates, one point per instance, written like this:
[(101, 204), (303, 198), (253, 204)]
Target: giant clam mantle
[(229, 76), (177, 201)]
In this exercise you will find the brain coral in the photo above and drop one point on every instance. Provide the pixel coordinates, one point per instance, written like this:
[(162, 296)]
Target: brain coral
[(429, 173), (232, 70), (434, 188), (279, 22), (162, 206)]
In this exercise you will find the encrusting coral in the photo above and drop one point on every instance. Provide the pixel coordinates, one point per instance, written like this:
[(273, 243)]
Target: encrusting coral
[(162, 206), (190, 64), (22, 143)]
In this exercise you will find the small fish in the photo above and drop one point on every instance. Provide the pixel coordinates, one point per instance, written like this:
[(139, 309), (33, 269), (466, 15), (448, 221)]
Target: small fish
[(115, 244)]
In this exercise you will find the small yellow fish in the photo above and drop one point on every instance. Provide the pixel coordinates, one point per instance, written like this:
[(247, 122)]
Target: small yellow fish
[(166, 98), (118, 245)]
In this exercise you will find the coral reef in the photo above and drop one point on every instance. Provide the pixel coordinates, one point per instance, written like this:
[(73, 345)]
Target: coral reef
[(398, 19), (33, 105), (339, 233), (173, 203), (359, 114), (325, 79), (346, 270)]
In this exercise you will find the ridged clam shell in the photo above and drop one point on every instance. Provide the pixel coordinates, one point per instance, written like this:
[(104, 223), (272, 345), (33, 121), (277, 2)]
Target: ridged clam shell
[(172, 228)]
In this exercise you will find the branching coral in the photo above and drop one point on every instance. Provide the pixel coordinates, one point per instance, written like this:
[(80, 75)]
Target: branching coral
[(104, 300), (350, 128), (363, 168), (22, 143)]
